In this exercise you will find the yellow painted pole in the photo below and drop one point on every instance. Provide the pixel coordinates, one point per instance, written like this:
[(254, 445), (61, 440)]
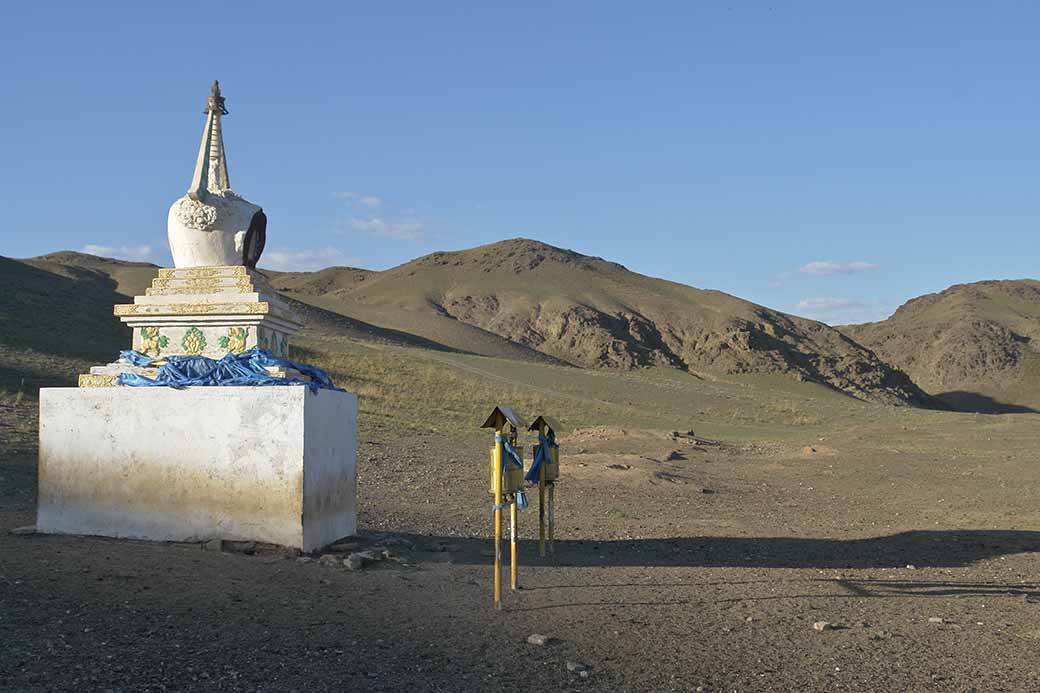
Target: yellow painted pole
[(514, 577), (497, 477)]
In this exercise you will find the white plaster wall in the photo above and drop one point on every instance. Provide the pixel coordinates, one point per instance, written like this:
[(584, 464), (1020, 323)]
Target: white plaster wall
[(195, 464), (330, 472)]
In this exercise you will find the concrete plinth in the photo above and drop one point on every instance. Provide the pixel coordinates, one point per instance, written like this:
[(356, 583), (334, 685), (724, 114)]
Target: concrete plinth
[(270, 464)]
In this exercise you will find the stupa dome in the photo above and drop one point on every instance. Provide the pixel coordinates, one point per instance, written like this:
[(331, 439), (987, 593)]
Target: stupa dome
[(212, 225)]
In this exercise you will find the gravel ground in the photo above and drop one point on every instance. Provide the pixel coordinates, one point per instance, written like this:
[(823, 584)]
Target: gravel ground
[(706, 568)]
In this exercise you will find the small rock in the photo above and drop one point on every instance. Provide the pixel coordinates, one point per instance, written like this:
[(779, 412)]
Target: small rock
[(538, 639), (707, 490), (240, 546), (576, 666), (370, 555), (911, 566), (328, 559), (584, 673), (304, 559), (821, 626), (936, 619), (354, 562), (398, 541), (808, 450), (213, 545), (27, 529)]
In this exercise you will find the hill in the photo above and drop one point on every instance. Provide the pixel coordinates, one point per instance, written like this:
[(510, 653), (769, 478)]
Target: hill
[(974, 346), (525, 295)]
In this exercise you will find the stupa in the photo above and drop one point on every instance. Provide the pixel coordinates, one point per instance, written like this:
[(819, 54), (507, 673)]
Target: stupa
[(271, 464), (213, 301)]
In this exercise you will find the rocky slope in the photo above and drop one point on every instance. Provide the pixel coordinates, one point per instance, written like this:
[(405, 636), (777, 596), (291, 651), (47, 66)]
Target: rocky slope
[(974, 346), (593, 313)]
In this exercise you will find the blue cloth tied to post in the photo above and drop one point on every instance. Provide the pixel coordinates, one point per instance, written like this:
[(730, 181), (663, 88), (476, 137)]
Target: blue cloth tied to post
[(510, 452), (542, 455), (247, 368)]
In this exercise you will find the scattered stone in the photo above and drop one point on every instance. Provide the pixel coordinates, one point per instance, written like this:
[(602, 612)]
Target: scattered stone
[(247, 547), (369, 555), (398, 541), (808, 450), (304, 559), (213, 545), (911, 566), (584, 673), (538, 639), (937, 619), (27, 529), (821, 626), (354, 562), (576, 667), (328, 559)]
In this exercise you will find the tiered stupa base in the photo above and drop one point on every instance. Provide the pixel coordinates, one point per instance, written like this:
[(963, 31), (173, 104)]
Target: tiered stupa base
[(270, 464), (202, 311)]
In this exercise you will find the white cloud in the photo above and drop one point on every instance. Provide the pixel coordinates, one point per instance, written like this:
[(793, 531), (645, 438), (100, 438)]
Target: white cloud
[(826, 303), (136, 253), (408, 230), (304, 259), (842, 311), (368, 201), (822, 268)]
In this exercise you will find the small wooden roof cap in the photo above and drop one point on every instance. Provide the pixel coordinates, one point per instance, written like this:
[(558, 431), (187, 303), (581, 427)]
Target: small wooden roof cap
[(549, 423), (500, 415)]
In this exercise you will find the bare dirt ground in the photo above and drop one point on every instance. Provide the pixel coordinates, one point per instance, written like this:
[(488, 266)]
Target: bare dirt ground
[(681, 564)]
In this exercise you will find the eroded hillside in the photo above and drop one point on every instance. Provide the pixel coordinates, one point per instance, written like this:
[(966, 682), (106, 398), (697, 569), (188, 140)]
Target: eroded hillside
[(593, 313)]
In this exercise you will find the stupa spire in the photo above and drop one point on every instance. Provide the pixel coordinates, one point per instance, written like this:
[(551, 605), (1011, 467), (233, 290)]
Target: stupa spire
[(211, 173)]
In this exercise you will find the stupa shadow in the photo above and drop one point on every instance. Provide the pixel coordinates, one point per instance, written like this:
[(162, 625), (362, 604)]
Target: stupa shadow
[(917, 548)]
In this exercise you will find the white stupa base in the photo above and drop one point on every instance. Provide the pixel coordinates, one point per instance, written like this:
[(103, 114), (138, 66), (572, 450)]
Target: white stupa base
[(270, 464)]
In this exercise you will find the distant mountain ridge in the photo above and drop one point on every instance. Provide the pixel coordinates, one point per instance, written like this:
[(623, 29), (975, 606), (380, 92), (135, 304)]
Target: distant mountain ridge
[(974, 346), (590, 312), (517, 299)]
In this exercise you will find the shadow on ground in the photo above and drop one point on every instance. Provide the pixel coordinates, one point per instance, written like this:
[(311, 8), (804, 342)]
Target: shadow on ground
[(921, 549), (973, 402)]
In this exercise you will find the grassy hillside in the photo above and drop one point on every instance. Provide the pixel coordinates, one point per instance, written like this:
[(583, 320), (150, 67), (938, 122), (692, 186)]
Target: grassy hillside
[(974, 346), (60, 307), (521, 298)]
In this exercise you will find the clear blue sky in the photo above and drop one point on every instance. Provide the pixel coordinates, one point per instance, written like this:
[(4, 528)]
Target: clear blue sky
[(725, 145)]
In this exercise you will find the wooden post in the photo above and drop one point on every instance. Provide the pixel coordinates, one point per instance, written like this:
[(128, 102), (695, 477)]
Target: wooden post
[(497, 476), (514, 577), (541, 510), (552, 516)]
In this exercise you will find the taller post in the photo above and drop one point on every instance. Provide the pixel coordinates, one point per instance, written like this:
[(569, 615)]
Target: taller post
[(497, 480)]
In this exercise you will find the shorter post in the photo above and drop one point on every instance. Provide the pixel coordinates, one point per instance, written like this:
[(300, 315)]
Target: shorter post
[(552, 516), (514, 577), (541, 510)]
